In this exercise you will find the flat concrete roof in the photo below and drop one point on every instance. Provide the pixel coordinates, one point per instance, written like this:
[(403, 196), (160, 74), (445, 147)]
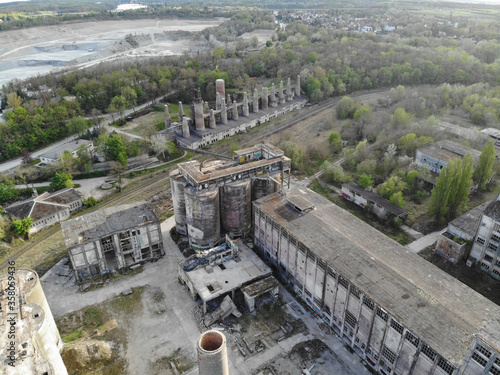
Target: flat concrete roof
[(191, 169), (448, 151), (236, 274), (469, 221), (57, 152), (438, 308)]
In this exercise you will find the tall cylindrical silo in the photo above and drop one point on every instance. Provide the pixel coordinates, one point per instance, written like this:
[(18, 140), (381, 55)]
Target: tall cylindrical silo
[(212, 354), (262, 186), (203, 217), (178, 183), (236, 208)]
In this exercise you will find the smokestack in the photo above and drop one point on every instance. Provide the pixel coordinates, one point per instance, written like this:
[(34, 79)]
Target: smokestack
[(217, 100), (198, 110), (273, 96), (297, 88), (264, 98), (212, 354), (223, 112), (235, 111), (288, 90), (212, 119), (167, 117), (246, 111), (185, 128), (255, 101), (181, 111), (281, 94), (220, 88)]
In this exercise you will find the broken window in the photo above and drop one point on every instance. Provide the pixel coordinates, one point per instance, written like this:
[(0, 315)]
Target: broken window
[(446, 366), (480, 240), (382, 314), (397, 327), (388, 354), (429, 352), (412, 338), (368, 303)]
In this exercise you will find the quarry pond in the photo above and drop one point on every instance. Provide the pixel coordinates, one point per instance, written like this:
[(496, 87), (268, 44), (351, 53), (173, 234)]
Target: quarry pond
[(29, 52)]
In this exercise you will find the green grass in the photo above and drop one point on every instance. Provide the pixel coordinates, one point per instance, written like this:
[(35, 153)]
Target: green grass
[(75, 335)]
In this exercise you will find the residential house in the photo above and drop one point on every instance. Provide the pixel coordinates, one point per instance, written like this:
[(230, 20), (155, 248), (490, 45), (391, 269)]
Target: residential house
[(52, 156)]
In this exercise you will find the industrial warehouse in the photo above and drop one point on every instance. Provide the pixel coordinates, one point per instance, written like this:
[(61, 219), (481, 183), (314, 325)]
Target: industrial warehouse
[(401, 313)]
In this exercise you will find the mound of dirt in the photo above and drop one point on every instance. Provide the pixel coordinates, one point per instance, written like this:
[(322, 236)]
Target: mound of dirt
[(79, 355)]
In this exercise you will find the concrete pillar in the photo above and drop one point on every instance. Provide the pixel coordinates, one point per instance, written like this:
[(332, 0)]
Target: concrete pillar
[(167, 117), (255, 101), (273, 100), (235, 111), (264, 98), (220, 88), (217, 101), (212, 353), (297, 86), (223, 112), (228, 100), (288, 90), (250, 302), (246, 111), (185, 128), (281, 93), (212, 119), (181, 111), (198, 110)]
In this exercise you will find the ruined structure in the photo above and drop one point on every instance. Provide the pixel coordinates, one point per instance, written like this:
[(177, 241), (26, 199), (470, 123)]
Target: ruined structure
[(230, 116), (400, 313), (212, 354), (111, 239), (486, 245), (30, 341), (214, 198)]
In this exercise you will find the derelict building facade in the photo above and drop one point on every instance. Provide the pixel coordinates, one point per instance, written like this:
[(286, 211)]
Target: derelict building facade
[(402, 314)]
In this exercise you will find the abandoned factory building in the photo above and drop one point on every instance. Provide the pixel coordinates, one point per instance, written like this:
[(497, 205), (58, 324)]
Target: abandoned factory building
[(401, 313), (112, 238)]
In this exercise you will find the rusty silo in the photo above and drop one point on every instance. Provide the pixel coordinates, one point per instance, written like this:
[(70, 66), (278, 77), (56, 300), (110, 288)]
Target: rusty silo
[(203, 217), (236, 208), (262, 186), (212, 354)]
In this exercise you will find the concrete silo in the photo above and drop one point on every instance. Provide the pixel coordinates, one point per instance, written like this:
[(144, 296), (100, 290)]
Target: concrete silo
[(262, 186), (236, 207), (178, 183), (212, 354), (203, 217)]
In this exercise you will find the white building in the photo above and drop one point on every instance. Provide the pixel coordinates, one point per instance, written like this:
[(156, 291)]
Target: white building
[(52, 156)]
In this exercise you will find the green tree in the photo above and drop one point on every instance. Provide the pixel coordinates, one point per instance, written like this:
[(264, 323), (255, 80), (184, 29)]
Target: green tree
[(397, 199), (451, 189), (335, 174), (365, 181), (118, 103), (312, 57), (335, 142), (393, 185), (61, 181), (22, 227), (218, 53), (484, 169), (90, 202), (8, 191), (346, 107), (293, 151), (401, 118), (234, 147), (116, 150), (77, 125)]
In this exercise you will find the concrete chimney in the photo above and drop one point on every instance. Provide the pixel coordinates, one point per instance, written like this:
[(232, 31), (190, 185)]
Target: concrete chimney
[(212, 354), (212, 119), (281, 94), (198, 110), (264, 98), (167, 117), (235, 111), (274, 102), (246, 111), (255, 101), (288, 90), (185, 128), (217, 100), (223, 112), (297, 87), (181, 111), (220, 88)]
